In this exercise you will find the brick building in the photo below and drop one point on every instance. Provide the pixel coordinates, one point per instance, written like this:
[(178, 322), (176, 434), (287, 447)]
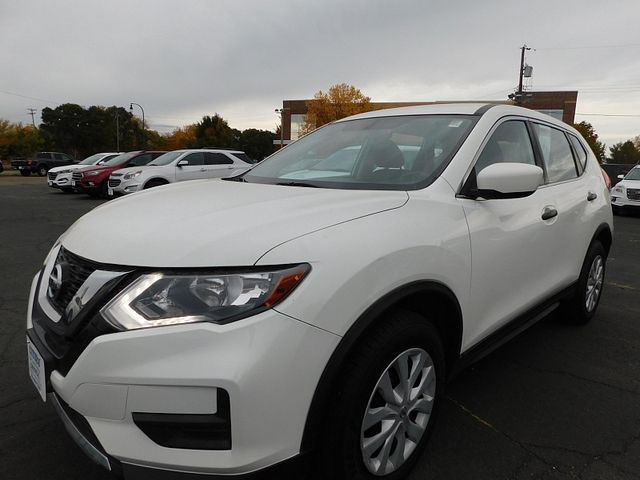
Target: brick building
[(561, 105)]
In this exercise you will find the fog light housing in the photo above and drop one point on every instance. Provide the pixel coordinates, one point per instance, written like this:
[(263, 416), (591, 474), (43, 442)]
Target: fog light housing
[(193, 431)]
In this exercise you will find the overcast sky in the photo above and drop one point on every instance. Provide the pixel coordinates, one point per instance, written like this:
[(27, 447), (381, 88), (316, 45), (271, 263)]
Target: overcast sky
[(182, 59)]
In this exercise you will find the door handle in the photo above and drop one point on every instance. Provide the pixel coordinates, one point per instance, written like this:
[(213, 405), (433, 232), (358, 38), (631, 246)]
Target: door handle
[(548, 213), (203, 169), (591, 196)]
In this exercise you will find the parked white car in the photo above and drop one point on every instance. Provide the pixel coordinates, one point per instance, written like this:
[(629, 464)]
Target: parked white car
[(60, 177), (626, 193), (178, 166), (315, 306)]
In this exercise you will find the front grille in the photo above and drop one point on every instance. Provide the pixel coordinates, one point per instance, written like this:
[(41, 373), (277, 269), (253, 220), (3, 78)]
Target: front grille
[(53, 175), (75, 270), (114, 182), (633, 193), (77, 176)]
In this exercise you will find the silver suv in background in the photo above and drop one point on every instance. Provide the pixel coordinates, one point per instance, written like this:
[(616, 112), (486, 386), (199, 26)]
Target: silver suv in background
[(178, 166)]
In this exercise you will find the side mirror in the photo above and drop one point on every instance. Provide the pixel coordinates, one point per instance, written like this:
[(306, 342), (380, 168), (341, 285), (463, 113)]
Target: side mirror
[(183, 163), (508, 180), (621, 177)]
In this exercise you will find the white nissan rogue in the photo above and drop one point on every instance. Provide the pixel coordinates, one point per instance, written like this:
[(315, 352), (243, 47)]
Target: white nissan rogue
[(316, 304)]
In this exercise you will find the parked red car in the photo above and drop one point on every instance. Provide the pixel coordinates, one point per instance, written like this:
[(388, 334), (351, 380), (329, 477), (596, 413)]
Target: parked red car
[(94, 179)]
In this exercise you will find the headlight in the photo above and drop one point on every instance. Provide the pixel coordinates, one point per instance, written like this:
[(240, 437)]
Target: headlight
[(63, 171), (129, 176), (158, 299), (618, 189), (91, 174)]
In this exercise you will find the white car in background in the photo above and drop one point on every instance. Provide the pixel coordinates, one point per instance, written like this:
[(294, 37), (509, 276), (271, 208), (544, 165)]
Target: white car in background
[(626, 193), (60, 177), (178, 166)]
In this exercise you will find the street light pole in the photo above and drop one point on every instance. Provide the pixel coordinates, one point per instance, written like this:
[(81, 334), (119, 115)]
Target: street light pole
[(143, 131), (279, 111)]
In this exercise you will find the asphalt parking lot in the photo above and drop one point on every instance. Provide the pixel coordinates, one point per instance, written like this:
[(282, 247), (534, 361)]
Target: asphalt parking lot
[(557, 402)]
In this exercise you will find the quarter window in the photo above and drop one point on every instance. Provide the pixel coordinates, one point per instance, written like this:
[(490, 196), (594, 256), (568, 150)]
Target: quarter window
[(216, 159), (509, 143), (556, 153), (580, 152)]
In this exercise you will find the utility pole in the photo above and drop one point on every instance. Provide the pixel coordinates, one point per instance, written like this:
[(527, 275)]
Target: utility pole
[(521, 72), (32, 112)]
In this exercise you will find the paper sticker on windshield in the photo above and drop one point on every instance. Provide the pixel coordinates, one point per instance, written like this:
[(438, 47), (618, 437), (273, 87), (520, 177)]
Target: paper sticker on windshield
[(455, 123)]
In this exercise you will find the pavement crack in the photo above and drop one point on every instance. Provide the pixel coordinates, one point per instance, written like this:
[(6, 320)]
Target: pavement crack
[(577, 377), (523, 446)]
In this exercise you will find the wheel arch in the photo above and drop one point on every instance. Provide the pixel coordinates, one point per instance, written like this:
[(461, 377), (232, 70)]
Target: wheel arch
[(424, 298), (162, 180), (603, 235)]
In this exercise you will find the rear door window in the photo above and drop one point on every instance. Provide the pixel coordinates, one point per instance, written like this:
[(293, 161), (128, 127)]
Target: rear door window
[(57, 156), (556, 153)]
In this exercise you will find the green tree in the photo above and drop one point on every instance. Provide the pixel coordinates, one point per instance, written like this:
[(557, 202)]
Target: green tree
[(624, 152), (590, 135), (82, 132), (215, 132), (257, 143), (339, 101)]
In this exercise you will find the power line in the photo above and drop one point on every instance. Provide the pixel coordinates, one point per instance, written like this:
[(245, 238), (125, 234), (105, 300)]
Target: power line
[(608, 114), (29, 97), (582, 47)]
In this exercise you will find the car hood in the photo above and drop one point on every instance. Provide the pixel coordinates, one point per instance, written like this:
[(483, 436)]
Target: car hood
[(211, 223), (66, 167)]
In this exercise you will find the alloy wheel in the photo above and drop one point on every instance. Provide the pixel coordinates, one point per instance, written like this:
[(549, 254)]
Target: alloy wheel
[(398, 411), (594, 283)]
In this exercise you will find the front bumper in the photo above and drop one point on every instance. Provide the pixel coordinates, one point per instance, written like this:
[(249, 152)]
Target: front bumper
[(618, 200), (62, 181), (124, 186), (268, 364)]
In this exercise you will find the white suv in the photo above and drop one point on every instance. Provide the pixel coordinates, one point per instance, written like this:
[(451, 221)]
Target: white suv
[(60, 177), (316, 305), (178, 166), (626, 193)]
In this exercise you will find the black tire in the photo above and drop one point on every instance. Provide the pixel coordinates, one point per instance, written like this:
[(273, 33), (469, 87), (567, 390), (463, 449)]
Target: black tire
[(575, 310), (25, 173), (42, 170), (340, 455), (156, 182)]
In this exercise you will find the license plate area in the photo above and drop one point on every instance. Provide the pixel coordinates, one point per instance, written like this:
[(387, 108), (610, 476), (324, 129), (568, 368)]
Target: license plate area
[(37, 370)]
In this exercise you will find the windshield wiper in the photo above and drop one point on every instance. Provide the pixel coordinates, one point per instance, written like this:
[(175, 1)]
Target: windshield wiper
[(297, 184)]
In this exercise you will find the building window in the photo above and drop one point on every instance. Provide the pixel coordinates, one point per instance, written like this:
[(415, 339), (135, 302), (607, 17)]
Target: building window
[(297, 120), (557, 114)]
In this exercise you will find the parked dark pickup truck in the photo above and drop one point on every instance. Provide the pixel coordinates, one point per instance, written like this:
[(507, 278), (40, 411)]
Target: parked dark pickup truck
[(41, 163)]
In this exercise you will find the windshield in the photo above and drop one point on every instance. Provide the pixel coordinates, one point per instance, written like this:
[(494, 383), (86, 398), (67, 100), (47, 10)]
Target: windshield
[(634, 174), (166, 159), (92, 159), (390, 153), (120, 159)]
